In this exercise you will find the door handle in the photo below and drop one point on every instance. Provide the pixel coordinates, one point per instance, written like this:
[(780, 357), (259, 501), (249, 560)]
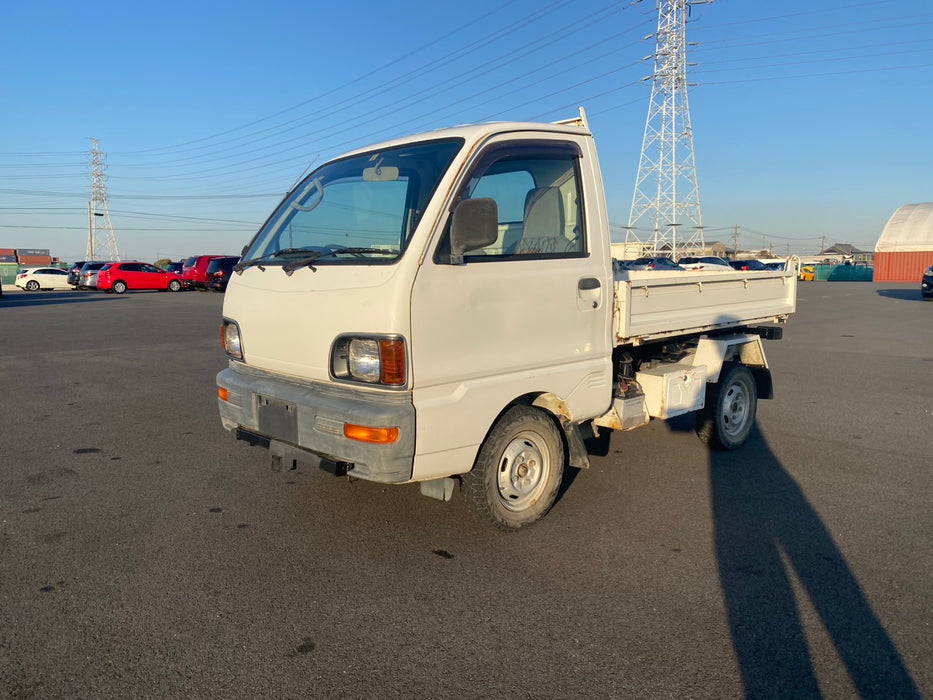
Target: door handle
[(588, 283)]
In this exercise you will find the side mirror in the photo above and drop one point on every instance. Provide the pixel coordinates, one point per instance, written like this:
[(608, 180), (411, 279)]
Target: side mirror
[(475, 225)]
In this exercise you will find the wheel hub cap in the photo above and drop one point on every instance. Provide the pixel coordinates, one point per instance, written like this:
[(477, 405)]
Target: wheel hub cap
[(735, 410), (522, 474)]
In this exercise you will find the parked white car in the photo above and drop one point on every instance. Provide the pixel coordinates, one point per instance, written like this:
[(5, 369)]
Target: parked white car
[(43, 278), (705, 262)]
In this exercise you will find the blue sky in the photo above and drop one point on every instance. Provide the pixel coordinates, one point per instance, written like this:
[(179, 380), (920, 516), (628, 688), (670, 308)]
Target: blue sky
[(812, 120)]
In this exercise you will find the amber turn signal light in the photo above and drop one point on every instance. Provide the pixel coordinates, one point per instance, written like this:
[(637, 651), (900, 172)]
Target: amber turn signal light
[(377, 436)]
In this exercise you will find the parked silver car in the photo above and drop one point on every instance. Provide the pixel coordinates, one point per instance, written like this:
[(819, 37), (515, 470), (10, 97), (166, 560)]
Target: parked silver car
[(87, 279)]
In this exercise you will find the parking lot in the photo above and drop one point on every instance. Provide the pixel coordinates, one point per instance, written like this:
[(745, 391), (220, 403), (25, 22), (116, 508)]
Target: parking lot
[(145, 552)]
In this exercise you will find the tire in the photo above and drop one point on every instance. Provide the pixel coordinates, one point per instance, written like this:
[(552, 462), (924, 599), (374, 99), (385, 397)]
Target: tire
[(731, 405), (174, 286), (32, 286), (119, 287), (518, 470)]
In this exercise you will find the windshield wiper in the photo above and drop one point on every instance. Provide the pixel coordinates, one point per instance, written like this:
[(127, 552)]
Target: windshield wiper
[(290, 267), (290, 251), (243, 264)]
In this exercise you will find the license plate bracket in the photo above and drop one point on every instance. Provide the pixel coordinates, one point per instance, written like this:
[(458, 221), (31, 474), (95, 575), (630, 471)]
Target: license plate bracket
[(277, 418)]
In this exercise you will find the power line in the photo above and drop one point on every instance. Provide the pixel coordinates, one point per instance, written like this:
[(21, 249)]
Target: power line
[(44, 193), (382, 87)]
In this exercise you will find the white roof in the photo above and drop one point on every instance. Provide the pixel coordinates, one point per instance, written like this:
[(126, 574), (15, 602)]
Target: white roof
[(910, 228), (476, 132)]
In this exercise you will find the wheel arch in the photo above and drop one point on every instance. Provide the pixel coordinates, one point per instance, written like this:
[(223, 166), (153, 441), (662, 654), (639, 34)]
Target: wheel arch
[(575, 454)]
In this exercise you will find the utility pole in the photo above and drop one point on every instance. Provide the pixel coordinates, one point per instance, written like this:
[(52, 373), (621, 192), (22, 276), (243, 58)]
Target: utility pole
[(99, 227), (735, 241), (667, 198)]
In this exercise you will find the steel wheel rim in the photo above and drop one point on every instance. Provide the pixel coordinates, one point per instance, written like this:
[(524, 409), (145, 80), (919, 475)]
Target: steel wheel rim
[(523, 472), (735, 407)]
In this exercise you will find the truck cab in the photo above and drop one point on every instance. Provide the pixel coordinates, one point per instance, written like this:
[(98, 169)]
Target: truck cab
[(419, 288)]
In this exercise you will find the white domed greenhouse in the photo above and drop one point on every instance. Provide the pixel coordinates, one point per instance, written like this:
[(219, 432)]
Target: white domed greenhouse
[(905, 248)]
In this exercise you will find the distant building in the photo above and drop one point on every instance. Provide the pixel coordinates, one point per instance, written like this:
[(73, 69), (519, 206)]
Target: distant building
[(847, 252), (905, 248), (716, 248)]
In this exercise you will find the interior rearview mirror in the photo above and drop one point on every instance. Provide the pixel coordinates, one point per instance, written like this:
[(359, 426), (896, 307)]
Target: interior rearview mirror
[(380, 173), (475, 225)]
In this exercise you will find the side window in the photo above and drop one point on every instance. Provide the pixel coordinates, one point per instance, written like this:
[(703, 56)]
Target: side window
[(538, 196), (509, 189)]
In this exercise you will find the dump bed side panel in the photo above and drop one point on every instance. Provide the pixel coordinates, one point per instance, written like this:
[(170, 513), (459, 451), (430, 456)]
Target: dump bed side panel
[(653, 305)]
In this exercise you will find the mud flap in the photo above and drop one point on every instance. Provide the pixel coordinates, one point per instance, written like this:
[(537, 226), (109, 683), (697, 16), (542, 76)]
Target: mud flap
[(577, 455)]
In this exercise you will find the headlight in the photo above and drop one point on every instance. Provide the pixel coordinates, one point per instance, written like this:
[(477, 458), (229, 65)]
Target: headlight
[(369, 359), (363, 360), (230, 337)]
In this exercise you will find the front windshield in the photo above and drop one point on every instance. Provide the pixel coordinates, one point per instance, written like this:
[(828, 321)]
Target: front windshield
[(361, 209)]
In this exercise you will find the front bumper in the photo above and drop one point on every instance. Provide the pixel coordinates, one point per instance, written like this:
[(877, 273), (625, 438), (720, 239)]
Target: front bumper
[(310, 417)]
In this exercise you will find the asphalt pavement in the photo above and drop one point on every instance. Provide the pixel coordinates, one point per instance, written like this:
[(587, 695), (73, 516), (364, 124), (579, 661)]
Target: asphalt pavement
[(144, 552)]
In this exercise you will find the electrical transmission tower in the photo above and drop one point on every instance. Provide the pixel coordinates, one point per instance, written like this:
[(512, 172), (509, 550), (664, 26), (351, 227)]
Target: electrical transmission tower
[(100, 236), (666, 203)]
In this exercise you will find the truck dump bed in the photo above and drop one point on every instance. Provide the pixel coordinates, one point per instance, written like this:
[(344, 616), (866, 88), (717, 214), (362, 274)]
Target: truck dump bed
[(654, 305)]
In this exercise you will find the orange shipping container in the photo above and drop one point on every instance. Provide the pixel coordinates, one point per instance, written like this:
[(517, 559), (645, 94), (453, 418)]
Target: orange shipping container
[(34, 260), (7, 251), (902, 266)]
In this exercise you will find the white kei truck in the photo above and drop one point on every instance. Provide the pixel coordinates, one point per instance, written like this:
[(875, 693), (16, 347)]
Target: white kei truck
[(445, 309)]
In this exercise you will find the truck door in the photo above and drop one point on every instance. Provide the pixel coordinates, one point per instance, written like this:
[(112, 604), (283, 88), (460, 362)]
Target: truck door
[(526, 315)]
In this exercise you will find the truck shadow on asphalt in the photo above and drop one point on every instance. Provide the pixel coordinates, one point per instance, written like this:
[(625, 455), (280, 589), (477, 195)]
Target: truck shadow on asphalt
[(764, 528)]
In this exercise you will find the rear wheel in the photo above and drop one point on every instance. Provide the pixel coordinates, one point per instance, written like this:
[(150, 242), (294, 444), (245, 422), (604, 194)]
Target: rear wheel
[(32, 286), (731, 404), (519, 469), (174, 286), (119, 287)]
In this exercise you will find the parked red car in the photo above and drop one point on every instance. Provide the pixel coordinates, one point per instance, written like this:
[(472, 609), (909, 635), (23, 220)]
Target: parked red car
[(194, 273), (117, 277)]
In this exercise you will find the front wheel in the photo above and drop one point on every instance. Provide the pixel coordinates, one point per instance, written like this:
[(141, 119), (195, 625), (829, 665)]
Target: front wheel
[(519, 469), (32, 286), (119, 287), (174, 286), (731, 404)]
